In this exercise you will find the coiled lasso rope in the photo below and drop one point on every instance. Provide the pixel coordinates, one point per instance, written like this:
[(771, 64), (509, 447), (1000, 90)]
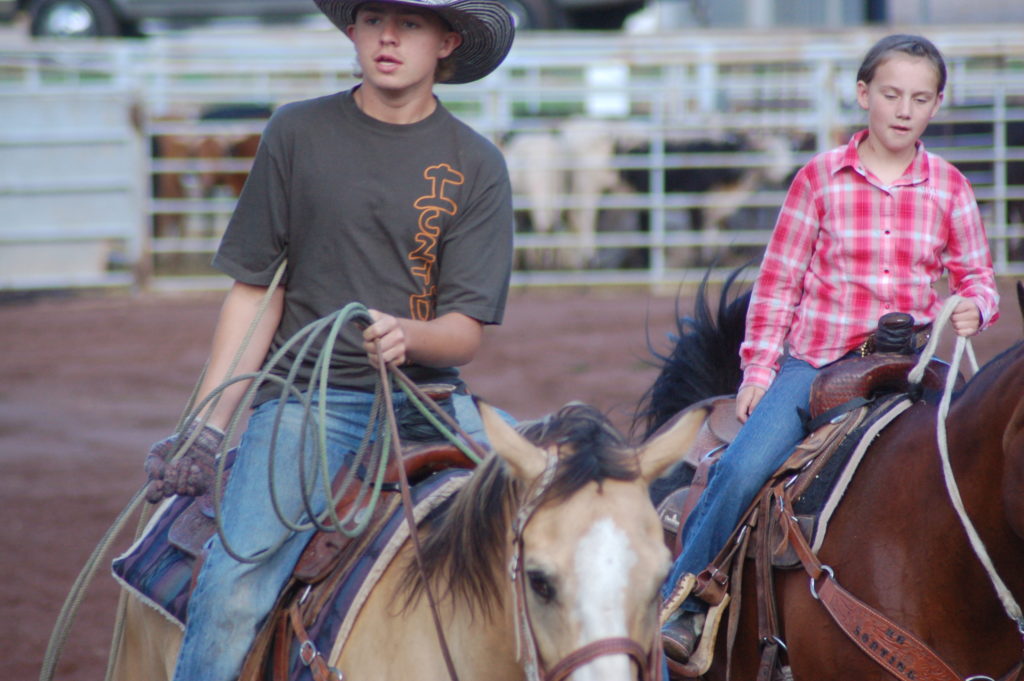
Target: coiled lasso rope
[(194, 413), (1010, 605), (372, 457)]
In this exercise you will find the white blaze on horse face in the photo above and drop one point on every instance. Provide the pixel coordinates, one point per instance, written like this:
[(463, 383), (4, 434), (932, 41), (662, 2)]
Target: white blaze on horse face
[(603, 562)]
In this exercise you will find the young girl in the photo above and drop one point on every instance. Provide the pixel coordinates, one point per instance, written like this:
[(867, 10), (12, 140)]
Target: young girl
[(865, 230)]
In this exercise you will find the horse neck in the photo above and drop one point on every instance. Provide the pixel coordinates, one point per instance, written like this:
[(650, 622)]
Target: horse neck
[(996, 394), (395, 637), (465, 551), (985, 434)]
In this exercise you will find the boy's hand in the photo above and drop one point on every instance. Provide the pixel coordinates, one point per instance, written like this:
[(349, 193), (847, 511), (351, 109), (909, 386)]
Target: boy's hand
[(389, 333), (966, 318)]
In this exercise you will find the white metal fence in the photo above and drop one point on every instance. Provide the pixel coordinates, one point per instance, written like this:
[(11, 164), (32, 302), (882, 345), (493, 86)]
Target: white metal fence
[(646, 139)]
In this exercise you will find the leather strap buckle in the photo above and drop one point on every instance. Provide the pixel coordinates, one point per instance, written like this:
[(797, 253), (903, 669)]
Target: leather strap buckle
[(307, 652)]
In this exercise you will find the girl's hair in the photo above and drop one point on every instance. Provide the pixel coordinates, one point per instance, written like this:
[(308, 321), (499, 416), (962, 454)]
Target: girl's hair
[(913, 45)]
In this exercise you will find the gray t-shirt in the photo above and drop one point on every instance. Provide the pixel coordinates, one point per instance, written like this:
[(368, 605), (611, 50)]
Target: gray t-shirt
[(413, 220)]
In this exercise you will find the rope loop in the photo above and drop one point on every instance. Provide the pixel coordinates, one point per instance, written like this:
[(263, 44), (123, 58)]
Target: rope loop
[(1009, 603), (375, 450), (373, 453)]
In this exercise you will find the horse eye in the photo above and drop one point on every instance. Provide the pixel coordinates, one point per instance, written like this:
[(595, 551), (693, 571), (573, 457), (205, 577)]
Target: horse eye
[(541, 586)]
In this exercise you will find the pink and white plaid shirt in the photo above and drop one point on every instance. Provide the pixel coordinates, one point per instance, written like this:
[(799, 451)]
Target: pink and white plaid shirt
[(847, 249)]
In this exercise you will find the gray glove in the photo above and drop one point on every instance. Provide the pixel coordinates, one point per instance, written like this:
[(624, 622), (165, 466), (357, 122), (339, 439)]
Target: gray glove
[(192, 473)]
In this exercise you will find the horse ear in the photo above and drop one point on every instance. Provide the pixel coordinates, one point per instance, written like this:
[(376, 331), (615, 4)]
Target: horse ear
[(526, 460), (670, 443)]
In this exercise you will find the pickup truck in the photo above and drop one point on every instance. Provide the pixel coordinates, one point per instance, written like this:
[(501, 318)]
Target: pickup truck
[(123, 17)]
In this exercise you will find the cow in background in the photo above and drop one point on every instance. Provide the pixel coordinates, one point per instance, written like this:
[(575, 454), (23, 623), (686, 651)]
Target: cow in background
[(211, 166), (219, 167), (723, 188), (535, 161), (564, 172)]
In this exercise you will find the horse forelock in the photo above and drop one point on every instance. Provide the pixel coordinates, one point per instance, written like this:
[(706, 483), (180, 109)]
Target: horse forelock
[(588, 446), (464, 549)]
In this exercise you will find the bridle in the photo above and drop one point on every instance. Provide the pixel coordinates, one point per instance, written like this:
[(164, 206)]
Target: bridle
[(648, 661)]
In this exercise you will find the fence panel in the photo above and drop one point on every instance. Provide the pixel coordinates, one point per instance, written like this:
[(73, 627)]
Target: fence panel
[(635, 160), (70, 194)]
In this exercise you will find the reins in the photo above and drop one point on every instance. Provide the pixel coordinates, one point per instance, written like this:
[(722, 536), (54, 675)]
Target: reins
[(407, 507), (1009, 603)]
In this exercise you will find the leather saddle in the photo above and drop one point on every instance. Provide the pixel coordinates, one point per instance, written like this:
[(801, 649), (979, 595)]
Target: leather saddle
[(838, 389), (850, 401), (196, 524)]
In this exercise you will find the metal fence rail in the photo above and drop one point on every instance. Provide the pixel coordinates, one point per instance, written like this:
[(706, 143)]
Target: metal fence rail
[(664, 153)]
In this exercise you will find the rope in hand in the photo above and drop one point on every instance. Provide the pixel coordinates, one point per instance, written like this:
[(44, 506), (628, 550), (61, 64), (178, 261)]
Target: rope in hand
[(374, 451), (1010, 605)]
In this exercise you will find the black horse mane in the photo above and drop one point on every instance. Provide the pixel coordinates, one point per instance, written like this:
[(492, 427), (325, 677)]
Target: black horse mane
[(704, 361), (463, 552)]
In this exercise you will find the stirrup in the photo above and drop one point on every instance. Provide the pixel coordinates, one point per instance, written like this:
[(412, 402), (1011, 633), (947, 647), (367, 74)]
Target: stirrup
[(681, 591), (700, 660)]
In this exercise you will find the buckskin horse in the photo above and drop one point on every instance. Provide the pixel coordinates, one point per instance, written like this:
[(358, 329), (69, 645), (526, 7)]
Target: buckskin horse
[(895, 541), (552, 544)]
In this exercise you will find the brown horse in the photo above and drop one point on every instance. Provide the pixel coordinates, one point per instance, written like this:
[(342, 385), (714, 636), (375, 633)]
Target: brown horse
[(895, 541), (570, 499)]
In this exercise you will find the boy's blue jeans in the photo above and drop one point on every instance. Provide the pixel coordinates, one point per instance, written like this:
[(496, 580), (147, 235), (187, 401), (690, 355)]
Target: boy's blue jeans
[(232, 598), (761, 446)]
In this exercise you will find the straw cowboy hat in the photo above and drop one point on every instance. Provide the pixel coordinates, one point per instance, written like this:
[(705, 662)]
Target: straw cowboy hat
[(486, 27)]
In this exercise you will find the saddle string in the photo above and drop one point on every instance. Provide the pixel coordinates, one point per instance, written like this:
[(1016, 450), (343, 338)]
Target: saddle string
[(1009, 603)]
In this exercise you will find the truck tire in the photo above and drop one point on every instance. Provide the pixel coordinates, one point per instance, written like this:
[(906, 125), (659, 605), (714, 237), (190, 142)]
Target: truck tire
[(73, 18)]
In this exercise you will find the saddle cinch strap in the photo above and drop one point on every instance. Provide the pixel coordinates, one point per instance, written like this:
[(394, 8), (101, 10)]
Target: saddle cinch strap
[(890, 645)]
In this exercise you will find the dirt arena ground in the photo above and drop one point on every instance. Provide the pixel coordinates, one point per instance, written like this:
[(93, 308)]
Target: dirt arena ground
[(88, 382)]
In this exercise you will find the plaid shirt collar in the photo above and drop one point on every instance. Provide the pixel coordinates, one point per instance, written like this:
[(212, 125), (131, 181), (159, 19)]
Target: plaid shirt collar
[(915, 174)]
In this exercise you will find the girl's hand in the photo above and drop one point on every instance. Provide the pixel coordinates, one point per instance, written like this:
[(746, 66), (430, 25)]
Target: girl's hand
[(966, 318), (390, 334), (747, 400)]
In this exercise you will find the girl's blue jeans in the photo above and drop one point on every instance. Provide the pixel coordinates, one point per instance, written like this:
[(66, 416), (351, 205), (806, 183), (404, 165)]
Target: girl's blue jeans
[(761, 446), (231, 598)]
